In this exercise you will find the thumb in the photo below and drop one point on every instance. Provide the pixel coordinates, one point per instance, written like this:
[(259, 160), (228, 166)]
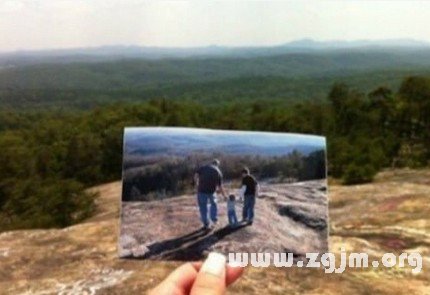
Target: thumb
[(211, 279)]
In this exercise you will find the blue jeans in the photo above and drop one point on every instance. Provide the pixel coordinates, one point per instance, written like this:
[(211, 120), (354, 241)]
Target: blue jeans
[(232, 219), (248, 208), (203, 200)]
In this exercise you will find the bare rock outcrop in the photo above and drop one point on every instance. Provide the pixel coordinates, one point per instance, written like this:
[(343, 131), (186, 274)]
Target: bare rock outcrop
[(390, 215)]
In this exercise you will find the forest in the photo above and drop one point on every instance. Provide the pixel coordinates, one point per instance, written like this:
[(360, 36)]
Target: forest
[(49, 157), (68, 82), (62, 116), (169, 176)]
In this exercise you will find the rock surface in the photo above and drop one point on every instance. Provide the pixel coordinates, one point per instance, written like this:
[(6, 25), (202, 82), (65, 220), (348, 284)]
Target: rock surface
[(390, 215), (288, 217)]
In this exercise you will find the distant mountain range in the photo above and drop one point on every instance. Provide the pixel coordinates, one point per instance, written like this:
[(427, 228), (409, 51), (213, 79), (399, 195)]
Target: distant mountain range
[(310, 43), (181, 142), (296, 71), (114, 52)]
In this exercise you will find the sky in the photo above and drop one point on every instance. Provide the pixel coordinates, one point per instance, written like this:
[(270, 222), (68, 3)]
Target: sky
[(48, 24), (189, 139), (256, 138)]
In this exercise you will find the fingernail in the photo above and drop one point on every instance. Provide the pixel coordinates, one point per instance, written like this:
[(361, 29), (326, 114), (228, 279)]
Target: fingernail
[(234, 263), (214, 264)]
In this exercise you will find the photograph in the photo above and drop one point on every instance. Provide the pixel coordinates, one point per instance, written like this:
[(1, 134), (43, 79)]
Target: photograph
[(140, 139), (189, 191)]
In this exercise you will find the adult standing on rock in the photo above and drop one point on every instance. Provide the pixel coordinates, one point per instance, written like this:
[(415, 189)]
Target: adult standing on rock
[(249, 190), (208, 179)]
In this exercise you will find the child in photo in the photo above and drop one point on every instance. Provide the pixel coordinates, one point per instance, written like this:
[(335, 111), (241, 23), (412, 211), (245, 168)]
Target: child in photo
[(231, 210)]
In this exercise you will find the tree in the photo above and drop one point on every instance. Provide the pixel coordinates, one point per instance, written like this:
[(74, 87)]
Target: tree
[(414, 116)]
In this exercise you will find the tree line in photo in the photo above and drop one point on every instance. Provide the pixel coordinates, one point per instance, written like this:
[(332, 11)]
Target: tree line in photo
[(166, 176), (48, 158)]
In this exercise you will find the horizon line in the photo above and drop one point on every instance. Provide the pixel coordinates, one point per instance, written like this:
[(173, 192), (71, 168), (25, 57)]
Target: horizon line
[(323, 42)]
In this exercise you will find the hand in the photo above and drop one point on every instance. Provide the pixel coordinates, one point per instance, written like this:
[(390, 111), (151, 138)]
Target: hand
[(223, 193), (210, 278)]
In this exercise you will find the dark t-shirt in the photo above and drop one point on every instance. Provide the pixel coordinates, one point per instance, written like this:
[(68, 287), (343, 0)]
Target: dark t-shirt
[(251, 185), (209, 178)]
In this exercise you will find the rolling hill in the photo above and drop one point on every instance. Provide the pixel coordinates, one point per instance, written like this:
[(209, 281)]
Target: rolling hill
[(301, 70)]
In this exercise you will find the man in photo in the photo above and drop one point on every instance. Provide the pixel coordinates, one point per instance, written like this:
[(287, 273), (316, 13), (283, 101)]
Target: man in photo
[(209, 180), (249, 191)]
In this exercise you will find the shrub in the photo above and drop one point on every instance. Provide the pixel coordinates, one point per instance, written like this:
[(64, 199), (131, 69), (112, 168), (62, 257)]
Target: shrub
[(355, 174), (35, 203)]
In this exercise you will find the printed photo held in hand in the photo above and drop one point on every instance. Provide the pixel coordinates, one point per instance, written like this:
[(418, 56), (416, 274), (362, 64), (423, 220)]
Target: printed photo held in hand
[(187, 192)]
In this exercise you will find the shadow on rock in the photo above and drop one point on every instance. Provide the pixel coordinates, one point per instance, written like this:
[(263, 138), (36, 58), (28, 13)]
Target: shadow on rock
[(159, 248), (195, 251), (187, 247)]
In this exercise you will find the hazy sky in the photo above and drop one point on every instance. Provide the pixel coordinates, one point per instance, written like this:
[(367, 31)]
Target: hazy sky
[(35, 24)]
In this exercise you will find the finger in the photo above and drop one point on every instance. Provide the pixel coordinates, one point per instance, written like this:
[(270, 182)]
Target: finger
[(179, 282), (233, 273), (197, 265), (211, 279)]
